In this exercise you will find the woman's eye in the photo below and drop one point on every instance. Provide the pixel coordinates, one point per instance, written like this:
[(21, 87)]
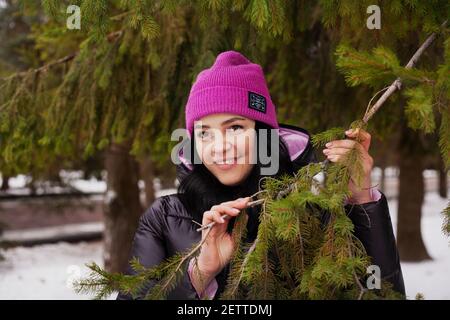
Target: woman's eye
[(236, 127), (203, 134)]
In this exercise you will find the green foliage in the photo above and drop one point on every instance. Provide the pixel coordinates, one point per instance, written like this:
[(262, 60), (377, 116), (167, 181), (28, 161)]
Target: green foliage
[(360, 67), (164, 278), (350, 17), (159, 33), (443, 104), (320, 139), (446, 224), (52, 8), (419, 110), (427, 93), (239, 261)]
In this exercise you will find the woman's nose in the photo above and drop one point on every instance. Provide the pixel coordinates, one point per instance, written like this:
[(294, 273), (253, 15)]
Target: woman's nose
[(222, 146)]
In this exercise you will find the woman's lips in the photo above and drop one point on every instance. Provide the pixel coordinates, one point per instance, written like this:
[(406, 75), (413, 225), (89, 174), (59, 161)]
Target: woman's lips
[(227, 164)]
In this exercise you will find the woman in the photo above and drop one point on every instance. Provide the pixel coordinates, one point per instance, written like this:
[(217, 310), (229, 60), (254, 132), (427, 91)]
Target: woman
[(228, 106)]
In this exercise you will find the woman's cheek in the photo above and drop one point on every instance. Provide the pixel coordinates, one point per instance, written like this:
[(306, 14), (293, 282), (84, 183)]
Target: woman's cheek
[(247, 148), (206, 155)]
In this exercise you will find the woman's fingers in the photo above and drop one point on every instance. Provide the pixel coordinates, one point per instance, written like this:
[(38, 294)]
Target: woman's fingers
[(336, 151), (212, 216), (226, 209), (363, 136), (216, 212), (240, 203), (229, 208), (347, 143)]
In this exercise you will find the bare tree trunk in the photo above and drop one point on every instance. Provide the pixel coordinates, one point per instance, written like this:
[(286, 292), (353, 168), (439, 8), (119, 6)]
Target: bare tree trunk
[(166, 176), (410, 199), (122, 206), (5, 183), (442, 179), (148, 174)]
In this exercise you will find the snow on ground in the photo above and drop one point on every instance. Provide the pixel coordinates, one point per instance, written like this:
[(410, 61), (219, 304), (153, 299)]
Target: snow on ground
[(18, 184), (45, 272), (430, 278)]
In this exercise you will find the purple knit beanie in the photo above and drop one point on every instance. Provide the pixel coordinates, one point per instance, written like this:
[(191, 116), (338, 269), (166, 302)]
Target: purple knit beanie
[(232, 85)]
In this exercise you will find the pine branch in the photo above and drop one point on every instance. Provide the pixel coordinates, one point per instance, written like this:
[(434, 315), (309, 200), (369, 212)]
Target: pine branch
[(42, 68), (235, 281), (397, 84), (110, 37), (446, 224)]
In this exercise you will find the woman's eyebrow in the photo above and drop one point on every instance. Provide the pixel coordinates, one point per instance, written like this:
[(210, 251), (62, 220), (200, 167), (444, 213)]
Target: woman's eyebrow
[(204, 126), (231, 120)]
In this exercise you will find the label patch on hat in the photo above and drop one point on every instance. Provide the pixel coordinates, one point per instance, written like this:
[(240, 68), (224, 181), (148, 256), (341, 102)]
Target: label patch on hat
[(256, 102)]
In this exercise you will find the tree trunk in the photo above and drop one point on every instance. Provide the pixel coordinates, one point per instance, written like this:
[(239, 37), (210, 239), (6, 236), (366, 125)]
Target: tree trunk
[(122, 206), (5, 183), (166, 176), (411, 193), (147, 174), (442, 179)]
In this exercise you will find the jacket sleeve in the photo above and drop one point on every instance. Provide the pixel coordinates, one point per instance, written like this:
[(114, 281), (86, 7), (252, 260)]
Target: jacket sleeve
[(148, 247), (373, 227)]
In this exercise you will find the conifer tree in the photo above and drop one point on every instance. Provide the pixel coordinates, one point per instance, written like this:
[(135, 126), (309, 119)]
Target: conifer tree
[(118, 85), (293, 257)]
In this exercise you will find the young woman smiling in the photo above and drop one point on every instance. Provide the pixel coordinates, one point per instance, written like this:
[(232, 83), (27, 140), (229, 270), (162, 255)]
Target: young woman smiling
[(228, 111)]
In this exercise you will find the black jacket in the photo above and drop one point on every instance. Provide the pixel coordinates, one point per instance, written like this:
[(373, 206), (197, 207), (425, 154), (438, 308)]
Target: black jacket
[(166, 228)]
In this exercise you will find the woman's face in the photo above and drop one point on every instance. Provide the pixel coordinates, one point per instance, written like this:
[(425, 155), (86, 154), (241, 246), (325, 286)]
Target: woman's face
[(225, 143)]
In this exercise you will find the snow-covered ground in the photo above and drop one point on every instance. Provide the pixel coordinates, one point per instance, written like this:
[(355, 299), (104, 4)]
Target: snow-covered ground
[(430, 278), (46, 271)]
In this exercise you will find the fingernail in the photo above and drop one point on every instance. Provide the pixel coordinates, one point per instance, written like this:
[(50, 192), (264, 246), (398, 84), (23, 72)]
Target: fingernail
[(326, 151), (328, 144), (222, 220), (348, 131), (235, 210)]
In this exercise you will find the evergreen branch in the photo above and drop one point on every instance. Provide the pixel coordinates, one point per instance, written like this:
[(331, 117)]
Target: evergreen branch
[(99, 282), (362, 290), (121, 15), (233, 286), (236, 263), (397, 84), (302, 255), (168, 282), (446, 224), (42, 68), (110, 37)]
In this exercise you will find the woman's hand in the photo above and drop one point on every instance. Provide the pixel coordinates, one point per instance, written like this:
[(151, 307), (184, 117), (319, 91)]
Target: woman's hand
[(218, 244), (336, 149)]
